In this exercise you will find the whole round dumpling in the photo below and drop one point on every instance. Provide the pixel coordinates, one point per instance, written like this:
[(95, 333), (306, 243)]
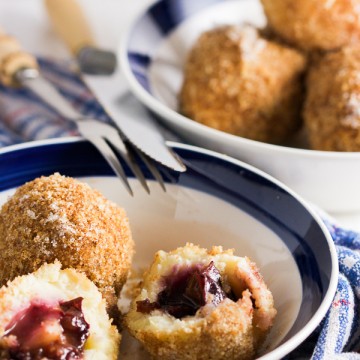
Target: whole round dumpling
[(58, 217), (239, 82), (332, 106), (55, 314), (315, 24), (197, 304)]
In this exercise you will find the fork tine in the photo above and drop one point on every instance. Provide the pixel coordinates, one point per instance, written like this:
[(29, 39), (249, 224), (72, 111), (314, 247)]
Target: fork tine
[(117, 142), (149, 164), (111, 158), (136, 168)]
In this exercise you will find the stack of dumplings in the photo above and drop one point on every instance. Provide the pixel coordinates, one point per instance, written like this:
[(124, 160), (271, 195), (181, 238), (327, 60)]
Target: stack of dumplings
[(299, 75)]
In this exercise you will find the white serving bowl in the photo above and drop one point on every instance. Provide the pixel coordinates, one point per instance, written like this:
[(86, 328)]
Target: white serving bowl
[(217, 201), (153, 54)]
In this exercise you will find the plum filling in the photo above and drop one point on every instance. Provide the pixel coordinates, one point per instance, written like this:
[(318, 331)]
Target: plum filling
[(187, 290), (42, 331)]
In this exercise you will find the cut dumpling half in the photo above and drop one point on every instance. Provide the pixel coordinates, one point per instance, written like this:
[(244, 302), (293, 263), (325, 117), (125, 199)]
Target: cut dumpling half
[(55, 314), (201, 304)]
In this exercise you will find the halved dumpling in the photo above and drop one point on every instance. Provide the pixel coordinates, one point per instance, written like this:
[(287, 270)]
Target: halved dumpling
[(200, 304), (55, 314)]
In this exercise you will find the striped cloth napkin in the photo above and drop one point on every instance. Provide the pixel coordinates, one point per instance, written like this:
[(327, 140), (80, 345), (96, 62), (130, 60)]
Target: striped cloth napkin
[(23, 117), (338, 335)]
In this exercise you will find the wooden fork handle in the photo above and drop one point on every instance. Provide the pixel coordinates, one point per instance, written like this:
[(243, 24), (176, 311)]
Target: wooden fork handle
[(70, 23), (13, 59)]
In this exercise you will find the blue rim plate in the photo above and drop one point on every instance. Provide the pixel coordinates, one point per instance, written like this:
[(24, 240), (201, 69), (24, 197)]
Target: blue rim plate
[(241, 185)]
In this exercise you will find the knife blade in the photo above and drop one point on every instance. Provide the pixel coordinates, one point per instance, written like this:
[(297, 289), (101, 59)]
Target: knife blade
[(100, 73)]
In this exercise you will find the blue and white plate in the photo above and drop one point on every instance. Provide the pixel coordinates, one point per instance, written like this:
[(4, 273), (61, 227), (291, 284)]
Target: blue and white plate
[(153, 54), (217, 201)]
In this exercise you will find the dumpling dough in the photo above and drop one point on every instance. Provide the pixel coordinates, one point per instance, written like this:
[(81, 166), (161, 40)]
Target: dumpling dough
[(200, 304), (33, 311)]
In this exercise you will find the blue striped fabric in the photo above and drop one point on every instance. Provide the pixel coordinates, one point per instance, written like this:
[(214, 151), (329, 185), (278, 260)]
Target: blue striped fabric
[(340, 329), (23, 117)]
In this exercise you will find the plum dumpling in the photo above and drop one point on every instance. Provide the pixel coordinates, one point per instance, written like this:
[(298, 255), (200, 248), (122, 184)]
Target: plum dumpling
[(55, 314), (196, 303)]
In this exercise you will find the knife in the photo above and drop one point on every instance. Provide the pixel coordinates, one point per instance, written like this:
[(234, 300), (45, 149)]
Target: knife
[(100, 73), (19, 68)]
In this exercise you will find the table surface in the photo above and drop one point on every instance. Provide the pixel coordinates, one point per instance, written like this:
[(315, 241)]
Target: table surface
[(27, 20)]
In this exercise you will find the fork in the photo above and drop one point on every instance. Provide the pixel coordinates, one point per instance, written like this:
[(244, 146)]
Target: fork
[(19, 67)]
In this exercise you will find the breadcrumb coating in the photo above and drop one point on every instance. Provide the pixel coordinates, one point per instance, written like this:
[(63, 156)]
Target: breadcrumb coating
[(332, 106), (58, 217), (239, 82), (230, 330), (315, 24), (50, 284)]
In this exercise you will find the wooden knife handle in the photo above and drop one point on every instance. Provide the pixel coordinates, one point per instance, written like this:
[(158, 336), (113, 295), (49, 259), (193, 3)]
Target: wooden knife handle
[(70, 23), (13, 59)]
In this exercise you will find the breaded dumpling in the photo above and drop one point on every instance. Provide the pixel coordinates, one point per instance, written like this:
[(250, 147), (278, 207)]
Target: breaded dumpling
[(315, 24), (241, 83), (332, 107), (58, 217), (200, 304), (55, 314)]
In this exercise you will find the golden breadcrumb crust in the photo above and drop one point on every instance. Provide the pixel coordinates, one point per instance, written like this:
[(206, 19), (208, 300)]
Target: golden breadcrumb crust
[(315, 24), (50, 284), (238, 82), (331, 112), (58, 217), (226, 331)]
